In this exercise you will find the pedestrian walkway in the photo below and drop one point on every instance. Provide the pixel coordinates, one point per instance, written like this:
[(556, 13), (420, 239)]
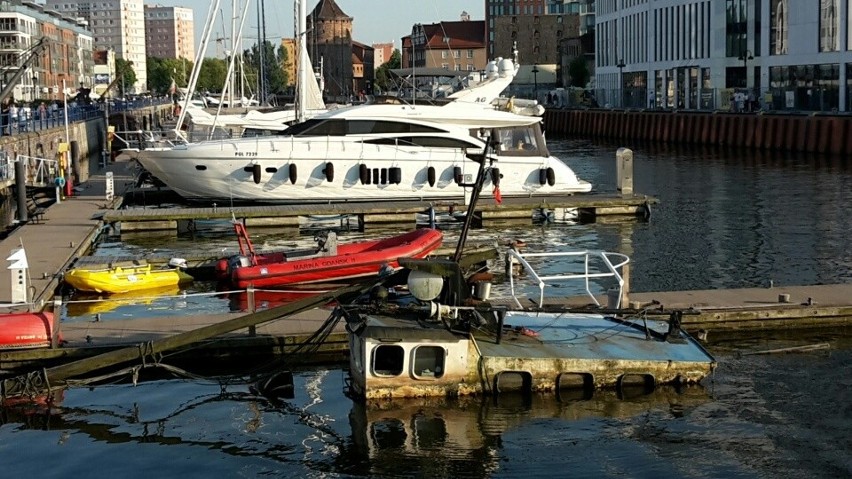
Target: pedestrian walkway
[(64, 232)]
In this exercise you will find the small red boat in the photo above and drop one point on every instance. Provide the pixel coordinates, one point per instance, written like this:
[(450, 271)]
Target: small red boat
[(26, 330), (328, 263)]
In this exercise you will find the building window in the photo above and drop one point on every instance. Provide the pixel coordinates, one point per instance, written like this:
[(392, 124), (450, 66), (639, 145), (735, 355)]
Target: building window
[(444, 54), (736, 25), (829, 25), (470, 53), (778, 17)]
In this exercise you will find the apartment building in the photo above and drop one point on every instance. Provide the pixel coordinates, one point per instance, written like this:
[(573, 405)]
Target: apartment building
[(116, 24), (169, 32), (58, 49)]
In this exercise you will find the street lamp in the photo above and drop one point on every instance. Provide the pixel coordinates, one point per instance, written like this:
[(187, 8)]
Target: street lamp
[(745, 57), (535, 81), (621, 66)]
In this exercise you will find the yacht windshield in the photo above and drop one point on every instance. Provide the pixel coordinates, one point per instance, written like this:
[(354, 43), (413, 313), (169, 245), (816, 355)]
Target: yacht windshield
[(520, 141)]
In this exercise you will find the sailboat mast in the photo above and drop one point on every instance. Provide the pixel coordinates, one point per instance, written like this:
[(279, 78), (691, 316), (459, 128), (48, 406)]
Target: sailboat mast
[(302, 82)]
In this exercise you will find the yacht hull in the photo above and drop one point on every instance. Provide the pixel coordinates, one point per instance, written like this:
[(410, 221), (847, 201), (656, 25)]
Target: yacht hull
[(326, 170)]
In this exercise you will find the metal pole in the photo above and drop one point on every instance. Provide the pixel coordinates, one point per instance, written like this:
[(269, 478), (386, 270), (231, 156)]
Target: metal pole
[(68, 183)]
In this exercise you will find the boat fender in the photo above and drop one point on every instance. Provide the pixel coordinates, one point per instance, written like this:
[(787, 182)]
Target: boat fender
[(551, 176), (495, 176), (292, 173), (255, 172), (457, 175), (430, 175), (328, 171), (60, 182), (395, 175), (542, 176), (384, 176), (364, 174), (222, 269)]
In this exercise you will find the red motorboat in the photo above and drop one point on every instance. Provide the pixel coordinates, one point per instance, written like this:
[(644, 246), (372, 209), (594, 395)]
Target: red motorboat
[(328, 263), (25, 330)]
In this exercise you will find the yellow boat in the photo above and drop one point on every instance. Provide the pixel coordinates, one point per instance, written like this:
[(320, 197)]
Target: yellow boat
[(123, 279)]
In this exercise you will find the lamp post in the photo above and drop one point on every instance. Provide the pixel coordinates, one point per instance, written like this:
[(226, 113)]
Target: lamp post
[(621, 66), (535, 81), (745, 57)]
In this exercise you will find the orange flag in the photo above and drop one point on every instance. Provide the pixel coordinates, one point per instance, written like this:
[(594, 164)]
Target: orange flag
[(497, 196)]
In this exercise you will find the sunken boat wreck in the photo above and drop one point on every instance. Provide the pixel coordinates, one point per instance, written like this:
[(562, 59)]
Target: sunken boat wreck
[(430, 330)]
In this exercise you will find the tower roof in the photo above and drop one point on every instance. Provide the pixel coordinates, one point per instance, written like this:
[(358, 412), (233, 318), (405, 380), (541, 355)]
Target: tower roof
[(328, 10)]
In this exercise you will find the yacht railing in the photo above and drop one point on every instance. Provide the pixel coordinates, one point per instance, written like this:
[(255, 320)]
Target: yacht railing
[(612, 263)]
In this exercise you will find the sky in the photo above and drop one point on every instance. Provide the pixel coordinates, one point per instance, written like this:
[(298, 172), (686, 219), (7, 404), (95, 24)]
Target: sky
[(374, 21)]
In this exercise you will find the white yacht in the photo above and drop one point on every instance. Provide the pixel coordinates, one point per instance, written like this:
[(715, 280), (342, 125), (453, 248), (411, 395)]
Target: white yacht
[(368, 153)]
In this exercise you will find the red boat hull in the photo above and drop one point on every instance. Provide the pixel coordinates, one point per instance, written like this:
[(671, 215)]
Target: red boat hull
[(353, 260), (26, 330)]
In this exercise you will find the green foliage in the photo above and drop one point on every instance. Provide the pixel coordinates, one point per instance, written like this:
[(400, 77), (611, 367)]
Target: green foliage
[(161, 71), (578, 70), (274, 62), (126, 74), (212, 75), (383, 72)]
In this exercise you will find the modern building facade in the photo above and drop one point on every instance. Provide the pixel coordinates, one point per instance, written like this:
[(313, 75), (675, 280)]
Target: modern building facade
[(169, 32), (494, 9), (788, 54), (116, 24), (65, 55)]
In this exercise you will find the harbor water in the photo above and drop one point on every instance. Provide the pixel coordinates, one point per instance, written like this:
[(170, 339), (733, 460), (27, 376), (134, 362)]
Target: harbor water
[(726, 219)]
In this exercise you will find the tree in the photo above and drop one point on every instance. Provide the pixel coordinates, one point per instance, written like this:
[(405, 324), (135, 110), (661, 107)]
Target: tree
[(274, 63), (383, 80), (161, 72), (126, 75), (212, 75), (579, 72)]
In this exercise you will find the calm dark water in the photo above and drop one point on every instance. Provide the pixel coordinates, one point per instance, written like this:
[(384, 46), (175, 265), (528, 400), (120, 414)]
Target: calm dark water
[(726, 219)]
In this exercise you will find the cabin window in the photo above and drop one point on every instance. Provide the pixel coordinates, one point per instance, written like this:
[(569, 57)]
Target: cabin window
[(317, 128), (366, 127), (387, 360), (428, 362), (424, 141)]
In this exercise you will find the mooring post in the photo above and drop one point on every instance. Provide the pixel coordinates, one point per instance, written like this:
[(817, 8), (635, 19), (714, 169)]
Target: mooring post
[(54, 333), (21, 188), (624, 171), (252, 330)]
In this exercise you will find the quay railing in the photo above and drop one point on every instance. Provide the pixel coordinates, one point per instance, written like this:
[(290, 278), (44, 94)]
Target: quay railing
[(596, 264), (38, 171)]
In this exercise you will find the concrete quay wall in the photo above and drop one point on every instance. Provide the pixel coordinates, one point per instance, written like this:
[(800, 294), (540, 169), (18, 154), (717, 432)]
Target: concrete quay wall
[(805, 133)]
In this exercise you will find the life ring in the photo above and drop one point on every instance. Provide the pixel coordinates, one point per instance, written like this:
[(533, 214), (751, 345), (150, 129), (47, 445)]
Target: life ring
[(329, 171), (364, 174), (292, 173), (430, 175)]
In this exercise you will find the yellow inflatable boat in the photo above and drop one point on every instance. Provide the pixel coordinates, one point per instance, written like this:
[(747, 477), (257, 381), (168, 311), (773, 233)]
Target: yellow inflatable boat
[(123, 279)]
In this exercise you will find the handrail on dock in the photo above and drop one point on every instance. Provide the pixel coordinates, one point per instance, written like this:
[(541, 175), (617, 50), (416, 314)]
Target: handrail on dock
[(38, 171), (611, 271)]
